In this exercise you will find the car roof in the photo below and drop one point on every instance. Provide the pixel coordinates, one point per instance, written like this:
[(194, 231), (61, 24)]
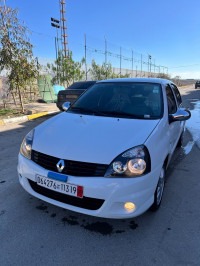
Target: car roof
[(81, 84), (147, 80), (85, 81)]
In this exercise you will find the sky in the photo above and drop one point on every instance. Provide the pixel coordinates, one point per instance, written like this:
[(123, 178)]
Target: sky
[(169, 31)]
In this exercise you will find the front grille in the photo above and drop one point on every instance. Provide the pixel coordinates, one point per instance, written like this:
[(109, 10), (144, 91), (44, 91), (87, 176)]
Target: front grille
[(85, 202), (73, 168)]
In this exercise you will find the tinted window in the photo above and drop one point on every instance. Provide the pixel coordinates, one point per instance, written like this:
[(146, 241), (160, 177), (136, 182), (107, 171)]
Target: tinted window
[(177, 93), (171, 100), (123, 99)]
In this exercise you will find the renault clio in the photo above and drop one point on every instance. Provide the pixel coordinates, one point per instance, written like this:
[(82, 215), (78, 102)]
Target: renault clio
[(107, 154)]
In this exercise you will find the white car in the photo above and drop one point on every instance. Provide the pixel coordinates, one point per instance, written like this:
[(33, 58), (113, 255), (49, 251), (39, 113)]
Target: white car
[(107, 154)]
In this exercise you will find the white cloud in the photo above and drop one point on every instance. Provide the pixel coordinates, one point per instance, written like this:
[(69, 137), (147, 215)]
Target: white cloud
[(187, 74)]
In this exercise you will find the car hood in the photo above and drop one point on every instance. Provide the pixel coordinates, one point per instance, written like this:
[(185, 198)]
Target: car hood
[(87, 138)]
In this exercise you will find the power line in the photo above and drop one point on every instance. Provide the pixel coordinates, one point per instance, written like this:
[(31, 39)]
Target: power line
[(40, 33)]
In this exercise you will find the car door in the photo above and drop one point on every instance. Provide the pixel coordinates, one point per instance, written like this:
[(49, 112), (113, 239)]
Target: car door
[(179, 104), (174, 127)]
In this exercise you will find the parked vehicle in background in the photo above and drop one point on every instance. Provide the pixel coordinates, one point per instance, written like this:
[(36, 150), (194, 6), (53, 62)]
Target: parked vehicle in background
[(197, 84), (72, 92), (106, 155)]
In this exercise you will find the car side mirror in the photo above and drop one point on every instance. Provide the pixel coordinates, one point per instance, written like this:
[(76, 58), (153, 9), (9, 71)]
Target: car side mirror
[(181, 115), (66, 106)]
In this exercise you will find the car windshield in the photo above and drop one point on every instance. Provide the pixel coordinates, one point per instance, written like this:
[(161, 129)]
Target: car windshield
[(121, 99)]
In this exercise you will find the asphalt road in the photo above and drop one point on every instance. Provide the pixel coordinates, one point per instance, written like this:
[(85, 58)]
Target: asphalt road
[(33, 232)]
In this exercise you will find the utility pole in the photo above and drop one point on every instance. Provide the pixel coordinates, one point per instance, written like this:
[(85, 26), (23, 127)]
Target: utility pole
[(105, 54), (141, 65), (85, 59), (120, 60), (136, 71), (154, 66), (132, 61), (150, 63)]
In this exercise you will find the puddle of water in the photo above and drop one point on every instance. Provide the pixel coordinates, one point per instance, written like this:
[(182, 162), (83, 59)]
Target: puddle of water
[(187, 149), (193, 126)]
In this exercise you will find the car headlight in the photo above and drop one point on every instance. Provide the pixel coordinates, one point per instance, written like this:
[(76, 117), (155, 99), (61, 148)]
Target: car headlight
[(26, 146), (131, 163)]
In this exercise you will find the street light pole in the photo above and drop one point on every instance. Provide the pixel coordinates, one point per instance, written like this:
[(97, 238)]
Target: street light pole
[(56, 24), (150, 64)]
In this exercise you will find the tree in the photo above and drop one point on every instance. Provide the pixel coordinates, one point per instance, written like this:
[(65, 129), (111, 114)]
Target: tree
[(66, 70), (104, 72), (16, 54), (176, 80), (163, 76)]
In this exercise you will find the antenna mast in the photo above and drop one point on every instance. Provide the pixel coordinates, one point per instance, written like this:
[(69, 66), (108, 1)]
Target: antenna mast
[(63, 24)]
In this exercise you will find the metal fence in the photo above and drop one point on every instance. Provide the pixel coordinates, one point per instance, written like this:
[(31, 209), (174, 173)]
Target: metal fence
[(123, 60)]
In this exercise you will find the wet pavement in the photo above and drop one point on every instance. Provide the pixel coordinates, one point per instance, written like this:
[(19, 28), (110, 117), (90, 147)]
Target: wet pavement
[(193, 124), (191, 100)]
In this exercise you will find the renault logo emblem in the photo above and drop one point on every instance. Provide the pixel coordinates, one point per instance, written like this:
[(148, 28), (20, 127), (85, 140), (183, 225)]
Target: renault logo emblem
[(60, 165)]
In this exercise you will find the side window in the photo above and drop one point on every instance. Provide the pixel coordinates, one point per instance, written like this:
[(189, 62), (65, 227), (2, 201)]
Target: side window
[(172, 108), (177, 93)]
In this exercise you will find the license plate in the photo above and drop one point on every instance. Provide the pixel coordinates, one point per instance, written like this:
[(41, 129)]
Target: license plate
[(72, 96), (65, 188)]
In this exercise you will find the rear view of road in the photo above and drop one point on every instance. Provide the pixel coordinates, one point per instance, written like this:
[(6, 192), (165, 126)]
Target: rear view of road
[(33, 232)]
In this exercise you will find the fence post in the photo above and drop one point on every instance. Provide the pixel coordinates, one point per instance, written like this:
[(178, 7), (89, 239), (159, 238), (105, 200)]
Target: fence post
[(132, 62)]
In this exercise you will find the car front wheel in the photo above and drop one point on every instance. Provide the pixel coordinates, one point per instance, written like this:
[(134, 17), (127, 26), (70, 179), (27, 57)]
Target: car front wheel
[(159, 190)]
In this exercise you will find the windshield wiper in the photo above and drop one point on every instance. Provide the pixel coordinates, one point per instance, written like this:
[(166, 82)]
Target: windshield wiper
[(83, 109), (123, 114), (107, 113), (80, 109)]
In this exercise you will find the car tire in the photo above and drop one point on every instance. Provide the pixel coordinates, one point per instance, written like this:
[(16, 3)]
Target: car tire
[(159, 190)]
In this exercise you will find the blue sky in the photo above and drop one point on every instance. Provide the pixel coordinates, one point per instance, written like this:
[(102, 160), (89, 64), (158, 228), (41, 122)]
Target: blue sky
[(167, 30)]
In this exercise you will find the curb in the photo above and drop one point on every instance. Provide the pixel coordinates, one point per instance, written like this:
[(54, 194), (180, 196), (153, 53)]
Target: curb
[(25, 118)]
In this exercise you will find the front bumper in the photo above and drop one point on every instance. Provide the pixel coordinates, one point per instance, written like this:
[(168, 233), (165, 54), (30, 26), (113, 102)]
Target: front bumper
[(114, 191)]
